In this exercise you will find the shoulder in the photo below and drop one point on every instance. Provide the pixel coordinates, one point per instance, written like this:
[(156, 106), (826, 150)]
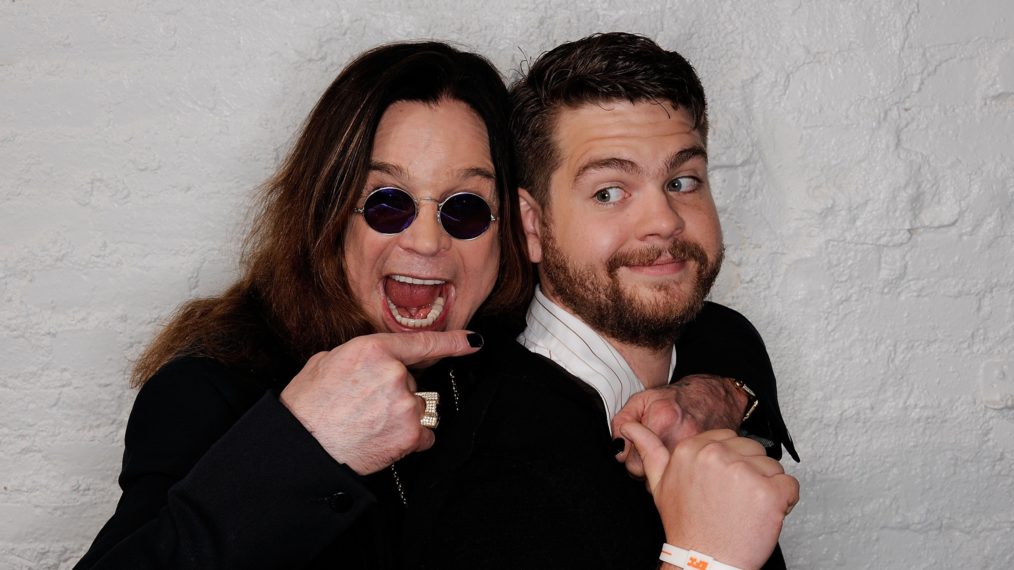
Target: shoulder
[(550, 399), (190, 387), (522, 369), (716, 318), (717, 329), (183, 409)]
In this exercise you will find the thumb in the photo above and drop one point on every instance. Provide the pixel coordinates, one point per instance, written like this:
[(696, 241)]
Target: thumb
[(413, 348), (654, 454)]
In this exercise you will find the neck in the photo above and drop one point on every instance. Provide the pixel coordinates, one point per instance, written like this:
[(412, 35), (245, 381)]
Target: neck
[(649, 364)]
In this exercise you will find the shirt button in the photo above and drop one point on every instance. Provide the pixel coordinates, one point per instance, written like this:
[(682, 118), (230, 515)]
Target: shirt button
[(340, 502)]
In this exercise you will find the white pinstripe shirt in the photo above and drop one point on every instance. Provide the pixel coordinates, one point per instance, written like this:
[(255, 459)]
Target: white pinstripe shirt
[(580, 350)]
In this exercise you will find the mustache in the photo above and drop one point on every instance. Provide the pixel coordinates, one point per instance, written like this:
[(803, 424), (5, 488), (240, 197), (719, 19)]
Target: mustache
[(678, 249)]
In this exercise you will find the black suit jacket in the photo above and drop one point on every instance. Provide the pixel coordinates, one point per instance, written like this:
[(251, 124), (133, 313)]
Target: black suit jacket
[(526, 476), (218, 474)]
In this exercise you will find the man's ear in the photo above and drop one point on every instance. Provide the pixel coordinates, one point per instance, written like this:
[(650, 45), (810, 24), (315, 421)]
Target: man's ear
[(531, 220)]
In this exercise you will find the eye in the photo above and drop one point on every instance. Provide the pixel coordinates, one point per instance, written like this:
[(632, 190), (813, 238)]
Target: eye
[(683, 184), (609, 195)]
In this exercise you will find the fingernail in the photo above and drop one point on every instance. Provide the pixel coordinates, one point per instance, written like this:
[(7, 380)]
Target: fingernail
[(618, 445), (475, 340)]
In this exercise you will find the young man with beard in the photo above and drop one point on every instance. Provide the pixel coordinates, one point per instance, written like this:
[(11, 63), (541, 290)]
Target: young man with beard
[(611, 133)]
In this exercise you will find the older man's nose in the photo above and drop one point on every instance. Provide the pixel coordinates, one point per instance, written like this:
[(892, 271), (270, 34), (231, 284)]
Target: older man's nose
[(425, 235)]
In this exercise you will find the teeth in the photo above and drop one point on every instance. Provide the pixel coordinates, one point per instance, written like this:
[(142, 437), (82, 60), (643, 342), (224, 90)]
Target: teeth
[(435, 309), (414, 281)]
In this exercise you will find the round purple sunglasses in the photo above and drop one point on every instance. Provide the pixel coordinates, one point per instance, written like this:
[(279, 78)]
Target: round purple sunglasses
[(391, 210)]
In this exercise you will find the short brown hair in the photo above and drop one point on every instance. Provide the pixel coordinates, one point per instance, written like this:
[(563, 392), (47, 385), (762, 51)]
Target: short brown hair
[(293, 299), (595, 69)]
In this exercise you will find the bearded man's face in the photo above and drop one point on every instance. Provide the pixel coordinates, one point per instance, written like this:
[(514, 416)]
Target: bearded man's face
[(629, 238)]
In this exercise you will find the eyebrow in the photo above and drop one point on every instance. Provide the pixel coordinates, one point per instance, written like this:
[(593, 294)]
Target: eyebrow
[(463, 174), (680, 158), (387, 168), (477, 172), (621, 164), (676, 160)]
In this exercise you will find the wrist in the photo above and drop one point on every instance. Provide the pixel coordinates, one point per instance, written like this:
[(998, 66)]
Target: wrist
[(690, 559), (751, 398)]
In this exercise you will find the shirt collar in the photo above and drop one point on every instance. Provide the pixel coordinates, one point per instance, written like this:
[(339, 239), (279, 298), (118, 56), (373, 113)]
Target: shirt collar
[(567, 340)]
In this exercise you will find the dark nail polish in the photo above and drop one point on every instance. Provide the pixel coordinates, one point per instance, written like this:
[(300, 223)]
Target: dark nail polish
[(475, 340), (618, 445)]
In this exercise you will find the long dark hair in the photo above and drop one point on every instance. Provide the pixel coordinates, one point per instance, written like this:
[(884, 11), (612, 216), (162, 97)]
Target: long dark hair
[(294, 299)]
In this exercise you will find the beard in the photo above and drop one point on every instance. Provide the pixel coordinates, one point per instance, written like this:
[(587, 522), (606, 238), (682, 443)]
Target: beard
[(612, 310)]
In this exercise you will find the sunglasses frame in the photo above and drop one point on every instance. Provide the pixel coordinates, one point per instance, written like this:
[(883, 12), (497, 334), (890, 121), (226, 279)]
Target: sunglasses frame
[(416, 201)]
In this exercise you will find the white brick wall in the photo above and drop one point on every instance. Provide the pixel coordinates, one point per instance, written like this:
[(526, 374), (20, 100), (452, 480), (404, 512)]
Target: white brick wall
[(862, 156)]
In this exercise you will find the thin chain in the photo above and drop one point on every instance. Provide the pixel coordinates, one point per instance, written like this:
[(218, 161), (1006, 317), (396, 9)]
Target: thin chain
[(397, 483), (454, 391), (394, 472)]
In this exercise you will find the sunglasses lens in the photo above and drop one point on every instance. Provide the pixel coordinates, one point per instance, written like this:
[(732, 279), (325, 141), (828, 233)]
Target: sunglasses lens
[(465, 216), (389, 210)]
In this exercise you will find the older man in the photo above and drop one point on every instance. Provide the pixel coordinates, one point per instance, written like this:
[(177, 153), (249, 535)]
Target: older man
[(611, 133)]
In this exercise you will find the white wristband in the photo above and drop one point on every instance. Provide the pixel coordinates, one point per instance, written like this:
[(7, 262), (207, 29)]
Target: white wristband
[(690, 559)]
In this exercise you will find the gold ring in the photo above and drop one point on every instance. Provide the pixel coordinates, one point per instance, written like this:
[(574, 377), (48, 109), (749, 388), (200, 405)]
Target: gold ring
[(430, 421), (430, 418)]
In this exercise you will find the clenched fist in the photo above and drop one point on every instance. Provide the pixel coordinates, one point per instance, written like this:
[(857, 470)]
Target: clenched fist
[(358, 400), (717, 493)]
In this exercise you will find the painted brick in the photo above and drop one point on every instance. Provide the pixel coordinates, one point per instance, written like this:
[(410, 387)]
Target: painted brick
[(862, 164)]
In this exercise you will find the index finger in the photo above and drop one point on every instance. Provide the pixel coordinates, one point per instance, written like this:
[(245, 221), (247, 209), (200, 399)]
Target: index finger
[(415, 347), (632, 411)]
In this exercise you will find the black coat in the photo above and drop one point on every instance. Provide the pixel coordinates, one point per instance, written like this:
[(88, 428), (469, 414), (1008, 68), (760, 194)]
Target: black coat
[(218, 474), (526, 477)]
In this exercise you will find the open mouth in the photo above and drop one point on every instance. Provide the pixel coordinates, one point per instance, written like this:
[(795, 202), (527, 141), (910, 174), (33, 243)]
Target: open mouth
[(415, 303)]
